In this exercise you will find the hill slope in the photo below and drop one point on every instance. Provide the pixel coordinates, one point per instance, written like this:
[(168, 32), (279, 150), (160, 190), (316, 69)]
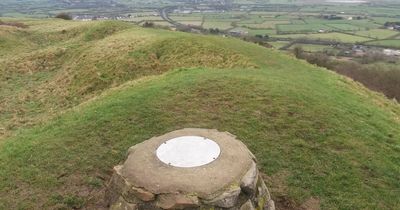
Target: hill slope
[(83, 98)]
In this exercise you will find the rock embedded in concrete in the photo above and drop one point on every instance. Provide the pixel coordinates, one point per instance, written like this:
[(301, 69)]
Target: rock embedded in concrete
[(263, 190), (247, 206), (227, 199), (143, 182), (142, 194), (117, 186), (177, 201), (250, 179), (270, 205), (121, 204)]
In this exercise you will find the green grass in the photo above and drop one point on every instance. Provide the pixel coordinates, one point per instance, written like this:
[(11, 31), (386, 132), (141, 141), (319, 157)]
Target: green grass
[(372, 10), (292, 28), (217, 24), (146, 18), (383, 20), (186, 17), (346, 38), (315, 134), (386, 43), (344, 24), (74, 61), (312, 47), (344, 27), (378, 33), (260, 31), (264, 25), (190, 22), (252, 19), (297, 21), (278, 44)]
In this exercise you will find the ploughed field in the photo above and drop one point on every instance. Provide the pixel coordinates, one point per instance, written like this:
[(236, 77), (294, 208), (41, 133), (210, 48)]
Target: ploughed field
[(76, 95)]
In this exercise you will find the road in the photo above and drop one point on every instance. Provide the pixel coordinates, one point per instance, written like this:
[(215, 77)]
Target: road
[(164, 15)]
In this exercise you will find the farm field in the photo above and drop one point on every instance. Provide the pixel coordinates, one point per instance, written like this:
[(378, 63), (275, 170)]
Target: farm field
[(264, 25), (162, 23), (179, 18), (278, 44), (378, 33), (354, 9), (280, 19), (340, 37), (344, 26), (312, 47), (351, 27), (260, 31), (146, 18), (217, 24), (301, 28), (191, 22), (387, 43)]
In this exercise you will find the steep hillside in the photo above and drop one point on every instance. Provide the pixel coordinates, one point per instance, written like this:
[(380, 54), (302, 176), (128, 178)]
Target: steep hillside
[(77, 95)]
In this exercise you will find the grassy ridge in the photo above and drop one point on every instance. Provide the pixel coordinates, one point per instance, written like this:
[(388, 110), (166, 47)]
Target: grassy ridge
[(70, 63), (316, 134)]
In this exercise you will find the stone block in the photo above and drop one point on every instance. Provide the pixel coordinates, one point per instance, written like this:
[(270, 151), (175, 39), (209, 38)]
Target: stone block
[(227, 199), (121, 204), (177, 201), (247, 206), (249, 180)]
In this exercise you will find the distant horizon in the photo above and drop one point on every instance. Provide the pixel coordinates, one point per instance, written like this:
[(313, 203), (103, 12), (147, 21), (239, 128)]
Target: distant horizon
[(346, 1)]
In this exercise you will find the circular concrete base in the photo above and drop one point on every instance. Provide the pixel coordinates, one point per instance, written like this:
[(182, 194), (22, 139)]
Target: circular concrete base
[(230, 181)]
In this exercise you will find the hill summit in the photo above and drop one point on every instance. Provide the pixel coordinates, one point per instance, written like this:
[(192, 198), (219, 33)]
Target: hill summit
[(76, 95)]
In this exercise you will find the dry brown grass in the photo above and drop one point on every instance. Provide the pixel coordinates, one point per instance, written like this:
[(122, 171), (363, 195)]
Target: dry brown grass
[(13, 24)]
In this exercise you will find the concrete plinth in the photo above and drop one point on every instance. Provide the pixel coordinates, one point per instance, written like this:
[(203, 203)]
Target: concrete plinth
[(228, 180)]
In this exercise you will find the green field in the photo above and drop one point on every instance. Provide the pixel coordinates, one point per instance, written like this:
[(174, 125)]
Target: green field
[(191, 17), (354, 9), (75, 96), (346, 38), (146, 18), (298, 18), (312, 47), (217, 24), (278, 44), (264, 25), (260, 31), (301, 28), (344, 27), (387, 43), (378, 33), (252, 19)]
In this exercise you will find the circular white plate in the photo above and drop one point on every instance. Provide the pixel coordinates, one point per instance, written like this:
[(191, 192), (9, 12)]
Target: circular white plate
[(188, 151)]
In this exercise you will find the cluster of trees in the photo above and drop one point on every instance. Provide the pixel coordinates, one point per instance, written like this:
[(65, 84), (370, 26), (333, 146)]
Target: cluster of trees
[(395, 25), (148, 24), (372, 70), (214, 31), (331, 17), (64, 16)]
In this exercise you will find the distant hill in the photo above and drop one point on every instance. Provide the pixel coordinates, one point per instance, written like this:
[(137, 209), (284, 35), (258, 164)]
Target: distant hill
[(76, 95)]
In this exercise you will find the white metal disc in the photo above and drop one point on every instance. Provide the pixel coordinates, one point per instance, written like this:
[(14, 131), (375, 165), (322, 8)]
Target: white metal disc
[(188, 151)]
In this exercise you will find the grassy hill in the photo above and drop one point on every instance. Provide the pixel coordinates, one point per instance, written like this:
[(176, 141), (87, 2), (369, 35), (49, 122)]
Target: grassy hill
[(75, 96)]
